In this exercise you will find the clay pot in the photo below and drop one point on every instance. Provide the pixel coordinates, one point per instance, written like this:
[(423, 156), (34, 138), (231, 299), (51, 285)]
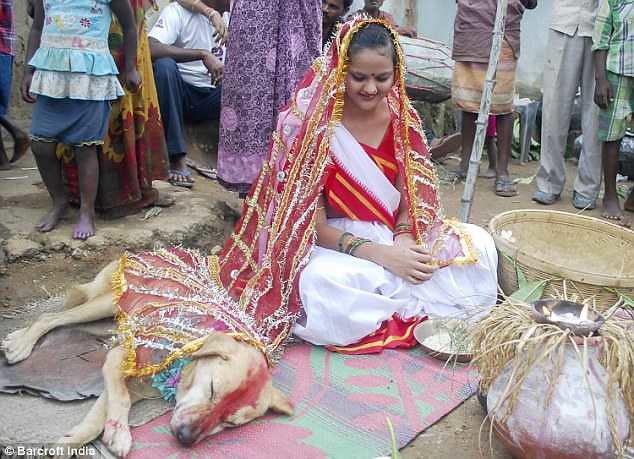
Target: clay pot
[(569, 426)]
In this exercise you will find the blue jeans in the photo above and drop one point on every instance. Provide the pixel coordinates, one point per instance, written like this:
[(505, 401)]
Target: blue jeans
[(180, 101), (6, 73)]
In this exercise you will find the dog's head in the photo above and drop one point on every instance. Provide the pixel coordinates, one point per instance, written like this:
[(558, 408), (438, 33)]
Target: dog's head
[(227, 384)]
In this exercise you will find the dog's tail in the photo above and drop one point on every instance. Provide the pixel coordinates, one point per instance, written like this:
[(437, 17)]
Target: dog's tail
[(98, 286)]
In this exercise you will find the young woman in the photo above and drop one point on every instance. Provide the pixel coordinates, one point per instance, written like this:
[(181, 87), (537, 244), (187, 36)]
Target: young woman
[(368, 273), (344, 222)]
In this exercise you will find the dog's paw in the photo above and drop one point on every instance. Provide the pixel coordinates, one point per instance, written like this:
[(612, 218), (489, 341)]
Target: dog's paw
[(18, 345), (117, 437), (72, 439)]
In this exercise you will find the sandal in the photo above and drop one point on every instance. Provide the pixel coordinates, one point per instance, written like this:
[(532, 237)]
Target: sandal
[(505, 187), (207, 172), (180, 178)]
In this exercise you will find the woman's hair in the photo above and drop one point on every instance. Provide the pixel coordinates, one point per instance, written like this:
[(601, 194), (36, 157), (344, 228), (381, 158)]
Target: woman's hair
[(373, 36)]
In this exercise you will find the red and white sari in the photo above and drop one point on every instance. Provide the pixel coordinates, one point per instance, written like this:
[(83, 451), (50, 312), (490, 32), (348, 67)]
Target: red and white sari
[(357, 306)]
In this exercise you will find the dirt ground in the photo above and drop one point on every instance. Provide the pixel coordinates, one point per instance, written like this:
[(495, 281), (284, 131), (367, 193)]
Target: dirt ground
[(456, 436)]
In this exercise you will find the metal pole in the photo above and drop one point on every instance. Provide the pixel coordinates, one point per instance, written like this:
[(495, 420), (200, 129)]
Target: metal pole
[(483, 116)]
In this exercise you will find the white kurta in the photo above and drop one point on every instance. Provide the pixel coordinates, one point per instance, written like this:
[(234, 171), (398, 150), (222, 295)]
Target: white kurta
[(346, 298)]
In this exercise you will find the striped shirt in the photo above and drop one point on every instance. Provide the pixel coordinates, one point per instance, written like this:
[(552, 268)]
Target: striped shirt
[(613, 32), (7, 28)]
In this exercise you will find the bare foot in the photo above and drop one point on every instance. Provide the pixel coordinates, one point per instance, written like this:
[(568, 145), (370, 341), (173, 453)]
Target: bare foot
[(488, 174), (18, 345), (612, 211), (85, 227), (52, 217)]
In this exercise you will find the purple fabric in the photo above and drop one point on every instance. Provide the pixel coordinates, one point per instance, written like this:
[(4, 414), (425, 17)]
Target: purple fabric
[(273, 43)]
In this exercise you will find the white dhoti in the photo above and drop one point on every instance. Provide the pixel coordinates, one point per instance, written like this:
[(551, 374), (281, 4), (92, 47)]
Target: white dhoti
[(347, 298)]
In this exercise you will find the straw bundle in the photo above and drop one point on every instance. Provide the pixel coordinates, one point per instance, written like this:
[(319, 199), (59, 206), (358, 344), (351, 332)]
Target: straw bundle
[(510, 331)]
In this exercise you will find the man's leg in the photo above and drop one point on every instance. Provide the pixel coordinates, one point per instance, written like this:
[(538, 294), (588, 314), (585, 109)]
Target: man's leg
[(20, 139), (169, 87), (202, 104), (4, 160), (503, 185), (51, 171), (562, 72), (612, 127), (629, 203), (491, 144), (468, 135), (588, 182), (88, 166), (611, 206)]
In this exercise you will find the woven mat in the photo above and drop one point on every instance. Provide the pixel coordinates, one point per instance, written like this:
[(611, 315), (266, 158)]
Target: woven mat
[(341, 406)]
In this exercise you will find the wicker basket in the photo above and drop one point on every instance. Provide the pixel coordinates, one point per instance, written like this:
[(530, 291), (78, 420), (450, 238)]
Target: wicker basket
[(555, 246)]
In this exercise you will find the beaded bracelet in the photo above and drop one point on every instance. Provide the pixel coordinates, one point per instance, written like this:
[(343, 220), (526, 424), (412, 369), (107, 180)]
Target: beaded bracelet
[(403, 226), (341, 238)]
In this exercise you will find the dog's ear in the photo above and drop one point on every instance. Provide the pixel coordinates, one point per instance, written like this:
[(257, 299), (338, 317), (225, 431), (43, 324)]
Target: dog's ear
[(215, 345), (280, 403)]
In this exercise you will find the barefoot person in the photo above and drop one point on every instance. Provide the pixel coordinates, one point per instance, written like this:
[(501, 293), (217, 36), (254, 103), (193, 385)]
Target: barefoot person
[(614, 94), (7, 51), (134, 153), (65, 76)]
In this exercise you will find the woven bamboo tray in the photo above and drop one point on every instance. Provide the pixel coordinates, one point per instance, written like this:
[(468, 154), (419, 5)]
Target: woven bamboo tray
[(555, 246)]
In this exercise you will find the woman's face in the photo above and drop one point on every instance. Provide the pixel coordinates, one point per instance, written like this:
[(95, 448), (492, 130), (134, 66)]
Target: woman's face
[(370, 78)]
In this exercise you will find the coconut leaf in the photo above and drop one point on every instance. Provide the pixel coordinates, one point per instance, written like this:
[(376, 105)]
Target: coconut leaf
[(395, 452), (628, 300)]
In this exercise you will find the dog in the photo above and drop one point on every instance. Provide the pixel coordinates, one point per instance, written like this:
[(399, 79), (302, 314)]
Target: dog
[(226, 384)]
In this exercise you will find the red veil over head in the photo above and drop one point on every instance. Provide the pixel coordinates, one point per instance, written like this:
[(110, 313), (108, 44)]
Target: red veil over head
[(252, 289), (262, 261)]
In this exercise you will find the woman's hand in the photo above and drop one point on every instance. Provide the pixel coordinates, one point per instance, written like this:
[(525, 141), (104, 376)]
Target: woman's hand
[(407, 260), (216, 20)]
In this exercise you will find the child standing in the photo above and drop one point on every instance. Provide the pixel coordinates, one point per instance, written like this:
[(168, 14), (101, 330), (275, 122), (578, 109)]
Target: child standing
[(614, 93), (74, 78)]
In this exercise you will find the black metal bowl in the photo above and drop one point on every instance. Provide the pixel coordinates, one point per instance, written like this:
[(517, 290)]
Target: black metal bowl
[(543, 311)]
